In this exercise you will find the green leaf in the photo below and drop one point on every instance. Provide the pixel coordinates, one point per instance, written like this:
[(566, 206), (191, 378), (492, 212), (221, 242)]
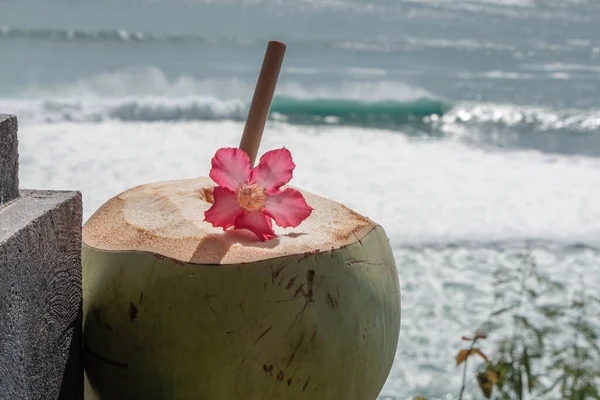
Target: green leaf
[(551, 312), (527, 365), (550, 284), (489, 326), (519, 385), (590, 335), (503, 310), (502, 370)]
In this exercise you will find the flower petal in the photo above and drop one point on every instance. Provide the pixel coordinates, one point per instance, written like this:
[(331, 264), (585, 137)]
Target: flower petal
[(257, 222), (230, 168), (224, 210), (287, 208), (274, 169)]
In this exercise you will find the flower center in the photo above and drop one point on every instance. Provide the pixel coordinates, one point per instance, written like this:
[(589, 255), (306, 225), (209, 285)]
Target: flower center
[(251, 197)]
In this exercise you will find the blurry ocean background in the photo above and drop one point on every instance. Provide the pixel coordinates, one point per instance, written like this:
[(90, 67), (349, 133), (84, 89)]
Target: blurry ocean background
[(470, 129)]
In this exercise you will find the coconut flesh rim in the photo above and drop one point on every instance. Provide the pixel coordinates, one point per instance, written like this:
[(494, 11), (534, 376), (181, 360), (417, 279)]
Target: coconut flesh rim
[(167, 219)]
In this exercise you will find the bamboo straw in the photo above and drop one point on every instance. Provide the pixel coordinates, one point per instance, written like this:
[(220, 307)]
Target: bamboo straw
[(261, 101)]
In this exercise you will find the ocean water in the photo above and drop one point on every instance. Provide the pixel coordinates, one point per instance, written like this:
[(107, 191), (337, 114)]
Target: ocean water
[(470, 129)]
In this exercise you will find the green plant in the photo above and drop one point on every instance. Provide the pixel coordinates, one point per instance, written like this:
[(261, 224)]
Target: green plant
[(575, 366), (547, 344), (533, 317)]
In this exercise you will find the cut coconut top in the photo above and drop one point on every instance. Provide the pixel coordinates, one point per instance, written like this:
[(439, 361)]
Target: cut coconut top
[(167, 219)]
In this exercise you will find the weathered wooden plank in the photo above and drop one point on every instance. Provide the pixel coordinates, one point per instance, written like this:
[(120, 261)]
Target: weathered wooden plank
[(9, 159), (40, 297)]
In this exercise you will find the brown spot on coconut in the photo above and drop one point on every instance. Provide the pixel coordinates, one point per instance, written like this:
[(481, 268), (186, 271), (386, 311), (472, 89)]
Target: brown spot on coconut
[(214, 317)]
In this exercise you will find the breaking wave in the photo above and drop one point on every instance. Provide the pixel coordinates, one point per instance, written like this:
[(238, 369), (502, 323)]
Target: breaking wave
[(304, 111), (375, 113)]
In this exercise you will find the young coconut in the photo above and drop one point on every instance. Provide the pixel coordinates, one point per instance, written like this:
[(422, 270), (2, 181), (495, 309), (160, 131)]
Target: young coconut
[(190, 293)]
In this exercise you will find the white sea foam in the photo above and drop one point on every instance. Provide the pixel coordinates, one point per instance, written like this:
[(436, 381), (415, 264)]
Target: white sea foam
[(510, 115), (421, 191)]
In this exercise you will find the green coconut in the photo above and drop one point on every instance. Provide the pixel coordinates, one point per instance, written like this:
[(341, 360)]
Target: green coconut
[(177, 309)]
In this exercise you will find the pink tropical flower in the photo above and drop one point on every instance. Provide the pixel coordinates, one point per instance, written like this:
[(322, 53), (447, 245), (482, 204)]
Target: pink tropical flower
[(248, 198)]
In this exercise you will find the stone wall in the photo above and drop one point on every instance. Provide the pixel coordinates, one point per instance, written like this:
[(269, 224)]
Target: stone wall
[(40, 285)]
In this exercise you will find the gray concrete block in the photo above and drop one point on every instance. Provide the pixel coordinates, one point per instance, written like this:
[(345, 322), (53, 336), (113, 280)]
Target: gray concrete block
[(9, 159), (40, 297)]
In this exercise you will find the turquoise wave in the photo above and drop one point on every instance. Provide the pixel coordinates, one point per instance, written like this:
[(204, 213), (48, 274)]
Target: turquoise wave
[(379, 114), (355, 112)]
